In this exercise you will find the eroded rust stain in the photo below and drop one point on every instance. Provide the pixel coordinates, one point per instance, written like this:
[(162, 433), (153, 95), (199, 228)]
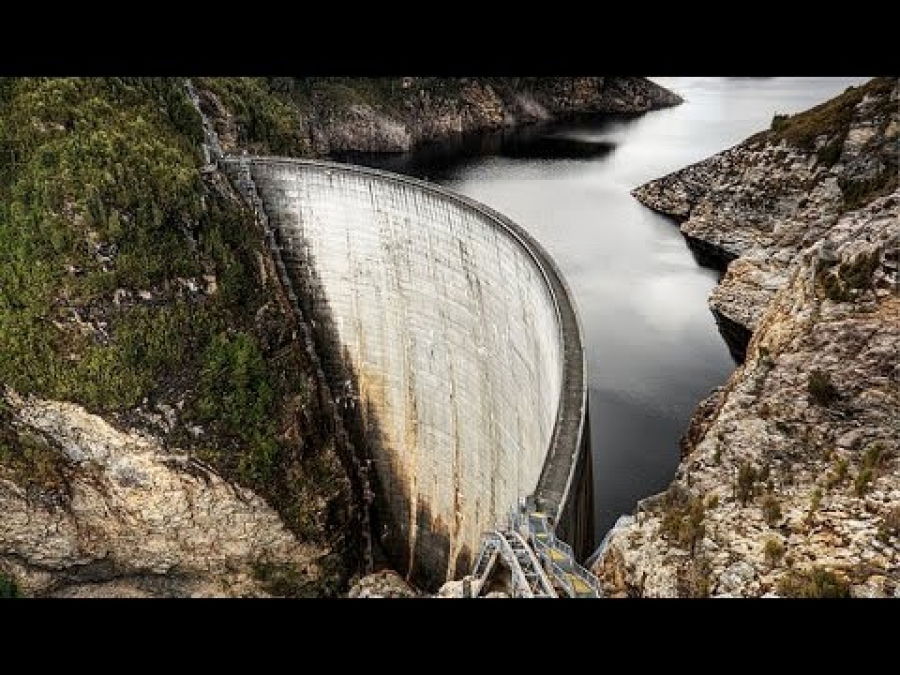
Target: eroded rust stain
[(410, 447)]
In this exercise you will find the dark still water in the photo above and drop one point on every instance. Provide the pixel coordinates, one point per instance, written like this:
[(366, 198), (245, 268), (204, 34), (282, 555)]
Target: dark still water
[(653, 350)]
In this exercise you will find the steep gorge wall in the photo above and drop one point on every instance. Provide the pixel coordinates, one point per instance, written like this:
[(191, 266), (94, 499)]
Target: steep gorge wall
[(459, 345), (325, 115), (789, 483)]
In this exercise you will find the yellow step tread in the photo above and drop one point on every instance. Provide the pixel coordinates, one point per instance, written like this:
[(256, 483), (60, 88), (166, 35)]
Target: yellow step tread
[(578, 583), (556, 554)]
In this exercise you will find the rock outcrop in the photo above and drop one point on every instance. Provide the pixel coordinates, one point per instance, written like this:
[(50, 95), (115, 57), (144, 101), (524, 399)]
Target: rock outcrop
[(764, 200), (195, 453), (131, 518), (790, 478), (383, 584), (328, 115)]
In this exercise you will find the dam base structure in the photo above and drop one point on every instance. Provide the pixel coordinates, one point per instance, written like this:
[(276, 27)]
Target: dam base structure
[(451, 346)]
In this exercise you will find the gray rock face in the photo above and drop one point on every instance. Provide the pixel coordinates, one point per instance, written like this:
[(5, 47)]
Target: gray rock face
[(765, 200), (796, 458), (138, 520), (424, 110), (383, 584)]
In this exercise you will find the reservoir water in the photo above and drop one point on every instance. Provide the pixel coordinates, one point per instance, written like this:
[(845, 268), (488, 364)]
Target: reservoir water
[(653, 350)]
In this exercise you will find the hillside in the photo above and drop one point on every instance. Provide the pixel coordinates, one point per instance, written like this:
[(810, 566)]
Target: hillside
[(789, 483)]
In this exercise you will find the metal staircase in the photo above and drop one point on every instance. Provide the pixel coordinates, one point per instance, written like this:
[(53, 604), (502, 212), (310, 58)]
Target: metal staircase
[(539, 564)]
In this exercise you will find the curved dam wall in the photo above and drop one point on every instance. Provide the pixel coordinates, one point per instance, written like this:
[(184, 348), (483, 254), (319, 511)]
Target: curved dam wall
[(455, 346)]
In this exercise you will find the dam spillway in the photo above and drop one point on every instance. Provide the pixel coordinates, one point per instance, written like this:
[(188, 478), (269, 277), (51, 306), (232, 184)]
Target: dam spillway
[(453, 341)]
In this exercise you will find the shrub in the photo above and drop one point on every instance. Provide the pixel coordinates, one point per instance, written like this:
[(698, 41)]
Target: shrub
[(814, 583), (821, 390), (855, 275), (877, 455), (236, 397), (858, 272), (859, 192), (265, 112), (863, 479), (830, 153), (771, 510), (8, 587), (682, 521), (875, 459), (814, 503), (105, 192), (33, 464), (838, 473), (746, 482), (693, 578), (773, 551), (890, 525), (831, 119), (778, 122), (835, 290), (284, 580)]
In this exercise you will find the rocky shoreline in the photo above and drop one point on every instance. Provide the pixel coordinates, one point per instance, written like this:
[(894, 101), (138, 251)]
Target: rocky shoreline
[(790, 479), (396, 114)]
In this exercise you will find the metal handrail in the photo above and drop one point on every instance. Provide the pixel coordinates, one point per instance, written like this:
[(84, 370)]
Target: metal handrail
[(546, 584), (518, 576)]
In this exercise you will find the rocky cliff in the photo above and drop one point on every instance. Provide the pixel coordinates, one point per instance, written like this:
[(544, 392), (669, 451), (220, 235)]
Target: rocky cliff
[(319, 116), (91, 510), (161, 428), (766, 199), (790, 478)]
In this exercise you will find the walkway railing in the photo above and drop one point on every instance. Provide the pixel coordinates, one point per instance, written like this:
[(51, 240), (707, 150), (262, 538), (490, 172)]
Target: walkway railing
[(540, 564)]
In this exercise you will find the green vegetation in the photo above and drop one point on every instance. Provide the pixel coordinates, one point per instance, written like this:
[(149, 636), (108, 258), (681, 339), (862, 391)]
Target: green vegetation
[(862, 481), (267, 112), (682, 520), (277, 115), (237, 400), (104, 180), (875, 459), (831, 119), (814, 504), (860, 192), (773, 551), (693, 578), (286, 580), (108, 233), (820, 388), (29, 461), (746, 483), (771, 510), (272, 114), (8, 587), (890, 525), (815, 583), (839, 284), (838, 473)]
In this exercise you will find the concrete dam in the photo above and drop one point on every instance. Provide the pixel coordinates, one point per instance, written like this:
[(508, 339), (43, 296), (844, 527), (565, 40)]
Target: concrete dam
[(453, 347)]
